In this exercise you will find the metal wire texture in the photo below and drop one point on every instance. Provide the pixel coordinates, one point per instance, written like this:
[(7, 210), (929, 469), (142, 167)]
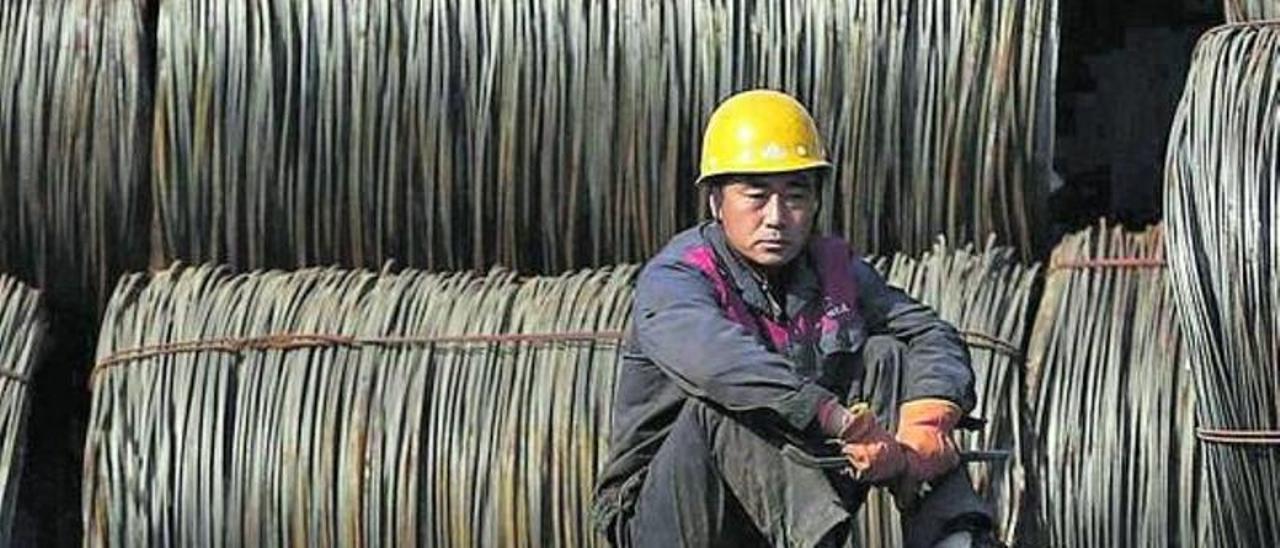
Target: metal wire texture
[(551, 135), (1115, 456), (73, 107), (1221, 199), (334, 407), (1239, 11), (22, 332)]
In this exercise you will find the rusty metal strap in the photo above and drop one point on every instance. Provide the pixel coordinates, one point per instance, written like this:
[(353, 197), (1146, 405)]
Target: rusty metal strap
[(297, 341), (1239, 437), (994, 344), (1110, 262)]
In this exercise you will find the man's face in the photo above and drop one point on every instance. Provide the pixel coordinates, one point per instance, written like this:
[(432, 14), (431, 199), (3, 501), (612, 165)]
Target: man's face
[(767, 218)]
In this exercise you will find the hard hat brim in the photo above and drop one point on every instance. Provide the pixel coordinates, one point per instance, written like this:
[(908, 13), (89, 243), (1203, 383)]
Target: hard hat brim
[(805, 165)]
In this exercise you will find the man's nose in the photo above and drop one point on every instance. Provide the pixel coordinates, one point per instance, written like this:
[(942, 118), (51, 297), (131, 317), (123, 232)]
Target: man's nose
[(775, 212)]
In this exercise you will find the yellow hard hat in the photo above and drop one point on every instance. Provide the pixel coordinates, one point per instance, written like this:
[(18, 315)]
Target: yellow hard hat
[(760, 131)]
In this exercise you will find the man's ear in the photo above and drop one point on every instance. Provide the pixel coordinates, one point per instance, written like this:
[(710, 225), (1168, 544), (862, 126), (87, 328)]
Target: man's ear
[(713, 202)]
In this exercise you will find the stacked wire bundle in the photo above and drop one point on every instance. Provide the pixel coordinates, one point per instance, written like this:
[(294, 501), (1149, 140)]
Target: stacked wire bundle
[(22, 331), (975, 115), (73, 109), (1114, 404), (559, 134), (1251, 10), (1222, 194), (987, 295), (335, 407)]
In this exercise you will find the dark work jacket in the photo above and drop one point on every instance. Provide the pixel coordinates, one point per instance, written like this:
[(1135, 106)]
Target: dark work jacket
[(704, 326)]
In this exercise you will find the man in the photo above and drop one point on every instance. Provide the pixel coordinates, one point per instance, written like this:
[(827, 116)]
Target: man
[(750, 334)]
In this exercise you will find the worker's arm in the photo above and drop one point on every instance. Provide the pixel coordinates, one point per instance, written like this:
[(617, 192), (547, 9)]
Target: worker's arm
[(681, 327), (937, 360), (938, 379)]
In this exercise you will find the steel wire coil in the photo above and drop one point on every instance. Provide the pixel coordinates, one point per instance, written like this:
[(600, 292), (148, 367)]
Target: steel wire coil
[(74, 102), (552, 135), (22, 333), (1221, 199), (1115, 456), (1239, 11), (334, 407)]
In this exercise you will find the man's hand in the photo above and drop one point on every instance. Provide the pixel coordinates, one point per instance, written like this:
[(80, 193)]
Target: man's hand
[(872, 452), (924, 430)]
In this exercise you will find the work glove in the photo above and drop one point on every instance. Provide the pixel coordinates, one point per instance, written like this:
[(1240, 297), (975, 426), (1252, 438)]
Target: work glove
[(924, 430), (872, 452)]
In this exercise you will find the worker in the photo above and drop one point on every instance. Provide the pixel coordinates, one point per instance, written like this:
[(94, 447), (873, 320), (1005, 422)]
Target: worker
[(750, 333)]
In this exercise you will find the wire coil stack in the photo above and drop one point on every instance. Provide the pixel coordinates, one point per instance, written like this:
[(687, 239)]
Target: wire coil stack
[(986, 294), (22, 332), (1222, 195), (75, 112), (1114, 405), (332, 407), (551, 135)]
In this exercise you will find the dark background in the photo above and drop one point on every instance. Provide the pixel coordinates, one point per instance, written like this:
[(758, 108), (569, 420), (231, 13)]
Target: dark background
[(1121, 69)]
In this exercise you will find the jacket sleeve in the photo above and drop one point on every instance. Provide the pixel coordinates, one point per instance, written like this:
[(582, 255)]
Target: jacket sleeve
[(937, 361), (681, 327)]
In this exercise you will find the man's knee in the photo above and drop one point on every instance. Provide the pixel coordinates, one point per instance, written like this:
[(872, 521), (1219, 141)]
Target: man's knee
[(883, 366), (685, 499), (692, 434), (697, 424), (713, 461), (883, 355)]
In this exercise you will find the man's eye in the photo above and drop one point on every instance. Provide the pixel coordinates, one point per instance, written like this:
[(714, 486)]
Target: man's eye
[(799, 199), (756, 195)]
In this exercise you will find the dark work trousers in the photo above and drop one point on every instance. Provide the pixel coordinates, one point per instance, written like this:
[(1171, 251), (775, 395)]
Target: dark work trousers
[(718, 482)]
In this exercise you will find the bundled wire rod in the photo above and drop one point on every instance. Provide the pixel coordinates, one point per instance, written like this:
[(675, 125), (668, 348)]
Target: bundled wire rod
[(1115, 461), (22, 332), (1239, 11), (73, 105), (1222, 194), (986, 293), (556, 134), (977, 107), (335, 407)]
